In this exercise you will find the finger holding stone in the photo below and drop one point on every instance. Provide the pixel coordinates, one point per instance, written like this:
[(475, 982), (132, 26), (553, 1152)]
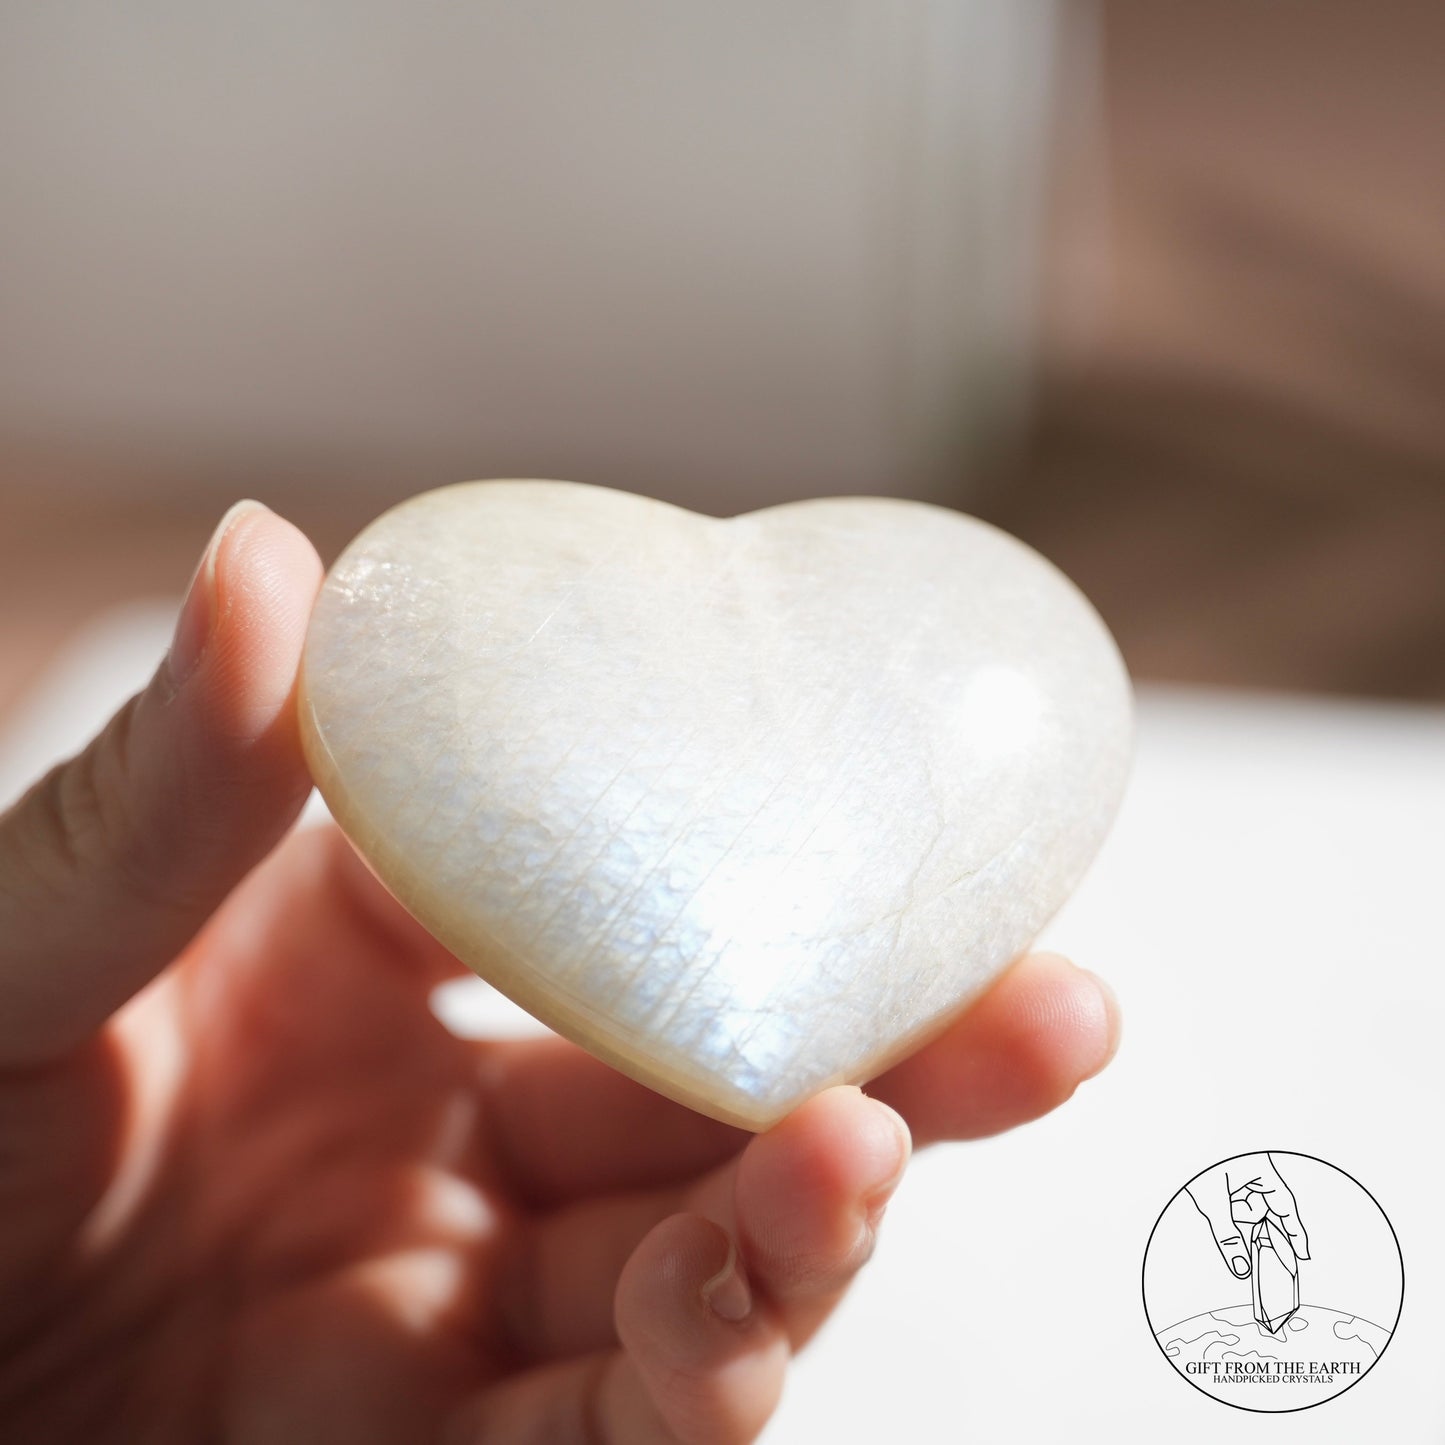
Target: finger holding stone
[(112, 862), (806, 1200), (1015, 1054)]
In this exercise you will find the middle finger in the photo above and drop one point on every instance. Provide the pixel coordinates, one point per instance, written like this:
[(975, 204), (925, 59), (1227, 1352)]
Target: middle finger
[(802, 1201)]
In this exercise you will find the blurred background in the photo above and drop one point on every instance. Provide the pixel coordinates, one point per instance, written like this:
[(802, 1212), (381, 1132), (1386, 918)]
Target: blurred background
[(1160, 288)]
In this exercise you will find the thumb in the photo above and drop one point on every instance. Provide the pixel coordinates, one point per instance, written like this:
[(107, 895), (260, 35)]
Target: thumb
[(113, 861), (1214, 1205)]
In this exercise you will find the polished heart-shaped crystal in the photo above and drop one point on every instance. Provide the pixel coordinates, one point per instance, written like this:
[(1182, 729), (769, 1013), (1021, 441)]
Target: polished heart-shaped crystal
[(747, 807)]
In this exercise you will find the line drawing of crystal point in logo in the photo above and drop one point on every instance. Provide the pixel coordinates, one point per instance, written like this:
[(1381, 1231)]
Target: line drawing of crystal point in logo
[(1292, 1345), (1273, 1265)]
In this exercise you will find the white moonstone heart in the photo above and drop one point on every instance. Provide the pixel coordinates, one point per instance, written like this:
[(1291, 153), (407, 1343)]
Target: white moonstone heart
[(746, 807)]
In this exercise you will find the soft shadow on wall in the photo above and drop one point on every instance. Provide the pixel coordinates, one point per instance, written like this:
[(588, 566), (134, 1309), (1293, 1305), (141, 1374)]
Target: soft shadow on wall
[(1239, 445)]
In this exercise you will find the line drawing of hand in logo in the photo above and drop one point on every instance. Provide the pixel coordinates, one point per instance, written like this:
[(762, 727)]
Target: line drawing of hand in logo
[(1267, 1342), (1252, 1214)]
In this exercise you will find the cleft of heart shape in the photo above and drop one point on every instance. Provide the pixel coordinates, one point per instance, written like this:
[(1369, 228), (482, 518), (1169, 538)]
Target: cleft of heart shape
[(747, 807)]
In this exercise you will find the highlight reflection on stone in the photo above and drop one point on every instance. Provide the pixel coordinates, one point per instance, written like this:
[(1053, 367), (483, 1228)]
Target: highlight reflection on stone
[(746, 807)]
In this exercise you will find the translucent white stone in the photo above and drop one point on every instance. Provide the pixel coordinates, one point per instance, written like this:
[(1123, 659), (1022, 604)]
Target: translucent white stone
[(747, 807)]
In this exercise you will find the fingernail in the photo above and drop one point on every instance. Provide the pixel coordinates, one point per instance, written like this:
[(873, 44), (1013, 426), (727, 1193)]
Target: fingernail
[(198, 611), (892, 1146), (726, 1293), (1112, 1014), (1240, 1265)]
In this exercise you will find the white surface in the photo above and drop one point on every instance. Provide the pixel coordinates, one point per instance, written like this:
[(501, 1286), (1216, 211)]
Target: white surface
[(1268, 909), (741, 250)]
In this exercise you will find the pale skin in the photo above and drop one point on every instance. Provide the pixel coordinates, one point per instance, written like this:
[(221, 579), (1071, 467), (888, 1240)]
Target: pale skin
[(252, 1190)]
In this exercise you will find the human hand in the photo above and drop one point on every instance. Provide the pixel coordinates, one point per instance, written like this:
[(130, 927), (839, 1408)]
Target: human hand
[(1246, 1189), (253, 1190)]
